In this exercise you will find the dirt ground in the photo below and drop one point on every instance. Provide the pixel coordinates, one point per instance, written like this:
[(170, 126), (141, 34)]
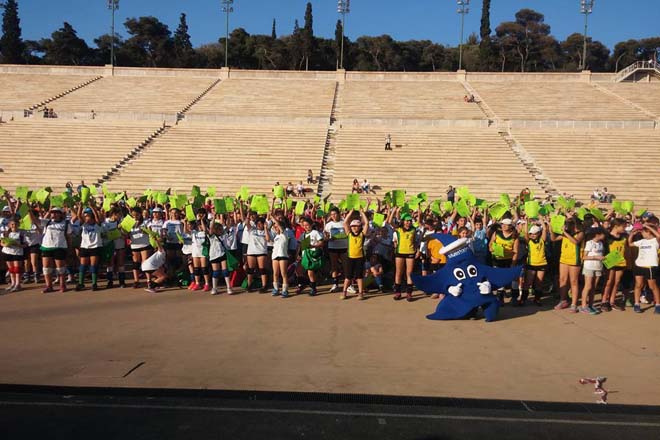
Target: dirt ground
[(176, 339)]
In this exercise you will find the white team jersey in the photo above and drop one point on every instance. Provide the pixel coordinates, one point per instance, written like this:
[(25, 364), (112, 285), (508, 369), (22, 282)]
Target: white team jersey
[(90, 236), (256, 242), (54, 234), (19, 237)]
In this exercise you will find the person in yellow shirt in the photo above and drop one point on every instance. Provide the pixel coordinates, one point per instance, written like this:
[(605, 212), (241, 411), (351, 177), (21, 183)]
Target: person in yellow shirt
[(405, 250), (570, 263), (356, 231), (617, 241), (537, 262), (503, 247)]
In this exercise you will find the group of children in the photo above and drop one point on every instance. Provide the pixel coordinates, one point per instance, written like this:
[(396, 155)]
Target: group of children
[(218, 252)]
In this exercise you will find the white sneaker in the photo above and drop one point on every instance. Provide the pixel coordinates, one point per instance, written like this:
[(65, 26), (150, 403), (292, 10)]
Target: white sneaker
[(334, 288), (351, 290), (229, 291), (643, 299), (214, 291)]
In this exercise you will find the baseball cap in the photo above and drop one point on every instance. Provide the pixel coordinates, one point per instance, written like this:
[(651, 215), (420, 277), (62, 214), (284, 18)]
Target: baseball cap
[(6, 209), (158, 209), (506, 221), (88, 211), (534, 229), (356, 223), (405, 217), (56, 209)]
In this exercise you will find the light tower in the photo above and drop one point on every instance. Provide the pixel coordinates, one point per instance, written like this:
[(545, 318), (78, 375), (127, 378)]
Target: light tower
[(343, 7), (113, 5), (463, 9), (586, 8), (227, 8)]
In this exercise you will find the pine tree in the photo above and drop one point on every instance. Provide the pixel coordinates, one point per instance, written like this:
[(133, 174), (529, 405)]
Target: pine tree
[(308, 35), (486, 45), (273, 33), (11, 43), (183, 48)]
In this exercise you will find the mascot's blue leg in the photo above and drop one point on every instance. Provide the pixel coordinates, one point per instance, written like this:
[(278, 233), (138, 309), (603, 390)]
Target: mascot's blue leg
[(490, 310)]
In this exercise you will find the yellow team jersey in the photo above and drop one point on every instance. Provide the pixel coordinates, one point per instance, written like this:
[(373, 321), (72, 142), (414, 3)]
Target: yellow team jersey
[(618, 245), (405, 241), (570, 253), (536, 253), (507, 245), (355, 245), (434, 247)]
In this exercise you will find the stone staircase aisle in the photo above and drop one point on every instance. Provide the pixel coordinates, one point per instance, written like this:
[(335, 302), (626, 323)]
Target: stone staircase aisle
[(60, 95), (328, 162), (182, 113)]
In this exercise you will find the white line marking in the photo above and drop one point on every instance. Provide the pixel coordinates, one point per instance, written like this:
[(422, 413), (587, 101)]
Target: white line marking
[(336, 413)]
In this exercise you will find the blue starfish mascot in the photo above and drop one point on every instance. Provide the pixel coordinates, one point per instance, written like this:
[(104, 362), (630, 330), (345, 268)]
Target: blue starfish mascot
[(467, 283)]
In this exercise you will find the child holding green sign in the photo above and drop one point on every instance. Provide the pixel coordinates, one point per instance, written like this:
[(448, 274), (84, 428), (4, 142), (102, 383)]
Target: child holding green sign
[(570, 262), (617, 241), (13, 245), (90, 244), (592, 267), (646, 265)]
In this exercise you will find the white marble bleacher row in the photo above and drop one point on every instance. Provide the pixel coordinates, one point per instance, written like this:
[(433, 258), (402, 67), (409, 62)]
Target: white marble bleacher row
[(550, 101), (268, 98), (126, 94), (646, 95), (226, 157), (406, 100), (22, 91), (49, 152), (429, 160), (577, 161)]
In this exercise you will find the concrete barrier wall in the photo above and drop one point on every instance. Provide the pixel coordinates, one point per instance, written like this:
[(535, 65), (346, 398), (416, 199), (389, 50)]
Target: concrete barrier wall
[(400, 76), (255, 120), (582, 125), (53, 70)]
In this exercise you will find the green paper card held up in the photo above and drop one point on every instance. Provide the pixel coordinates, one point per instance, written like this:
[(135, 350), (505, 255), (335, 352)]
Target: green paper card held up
[(379, 219), (300, 208), (57, 201), (22, 193), (628, 206), (127, 223), (229, 204), (84, 195), (278, 192), (190, 213), (532, 209), (25, 223), (448, 206), (581, 212), (114, 234), (42, 195), (131, 202), (498, 250), (289, 203), (107, 204), (498, 210), (435, 207), (462, 208), (598, 214), (399, 197), (244, 192), (210, 191), (353, 201), (424, 197), (23, 211), (219, 205), (613, 259), (162, 198), (505, 200), (196, 191), (557, 223)]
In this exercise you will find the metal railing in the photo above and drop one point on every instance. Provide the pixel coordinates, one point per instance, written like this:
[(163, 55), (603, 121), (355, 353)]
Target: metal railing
[(639, 65)]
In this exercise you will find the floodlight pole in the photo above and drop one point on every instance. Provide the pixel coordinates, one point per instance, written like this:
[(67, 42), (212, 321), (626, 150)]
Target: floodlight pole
[(227, 9), (586, 8), (343, 7), (463, 9), (113, 5)]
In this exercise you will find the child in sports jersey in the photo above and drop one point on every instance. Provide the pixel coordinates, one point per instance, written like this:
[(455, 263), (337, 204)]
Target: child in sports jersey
[(140, 247), (315, 242), (172, 230), (154, 266), (479, 239), (537, 262), (13, 245), (334, 227), (32, 251), (279, 256), (592, 257), (56, 236), (118, 260), (646, 265), (507, 238), (356, 231), (569, 263), (617, 241), (199, 230), (405, 250), (90, 245), (218, 257)]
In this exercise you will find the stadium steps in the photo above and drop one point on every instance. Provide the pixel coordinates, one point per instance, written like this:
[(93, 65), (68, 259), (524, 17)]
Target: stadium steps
[(328, 164), (625, 100), (66, 92), (181, 114), (483, 106), (529, 163), (134, 154)]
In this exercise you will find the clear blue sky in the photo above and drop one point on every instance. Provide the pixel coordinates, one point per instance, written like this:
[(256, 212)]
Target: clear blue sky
[(612, 20)]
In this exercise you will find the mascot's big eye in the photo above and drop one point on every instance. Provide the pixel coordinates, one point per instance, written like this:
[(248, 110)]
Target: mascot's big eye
[(459, 274), (472, 271)]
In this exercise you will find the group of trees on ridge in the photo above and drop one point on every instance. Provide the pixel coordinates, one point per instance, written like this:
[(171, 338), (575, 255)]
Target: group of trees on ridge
[(524, 44)]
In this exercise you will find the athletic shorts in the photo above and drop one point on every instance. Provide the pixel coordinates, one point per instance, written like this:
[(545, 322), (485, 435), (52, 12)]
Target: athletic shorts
[(219, 259), (591, 273), (281, 259), (55, 254), (406, 256), (93, 252), (502, 263), (258, 255), (35, 249), (354, 268), (617, 268), (649, 273), (143, 248), (536, 268), (173, 246), (9, 258)]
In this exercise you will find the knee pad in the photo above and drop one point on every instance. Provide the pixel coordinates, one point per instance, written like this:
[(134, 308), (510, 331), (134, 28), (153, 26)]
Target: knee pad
[(249, 271), (206, 270), (225, 273), (47, 270), (198, 272), (93, 269), (61, 271), (215, 274)]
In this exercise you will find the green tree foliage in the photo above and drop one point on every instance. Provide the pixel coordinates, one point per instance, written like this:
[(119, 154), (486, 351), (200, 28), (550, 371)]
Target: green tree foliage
[(183, 49), (273, 32), (150, 43), (308, 41), (65, 47), (12, 47)]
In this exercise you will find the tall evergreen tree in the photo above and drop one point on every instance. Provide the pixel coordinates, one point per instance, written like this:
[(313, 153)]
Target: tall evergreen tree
[(486, 45), (66, 48), (183, 49), (273, 32), (308, 35), (11, 43)]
